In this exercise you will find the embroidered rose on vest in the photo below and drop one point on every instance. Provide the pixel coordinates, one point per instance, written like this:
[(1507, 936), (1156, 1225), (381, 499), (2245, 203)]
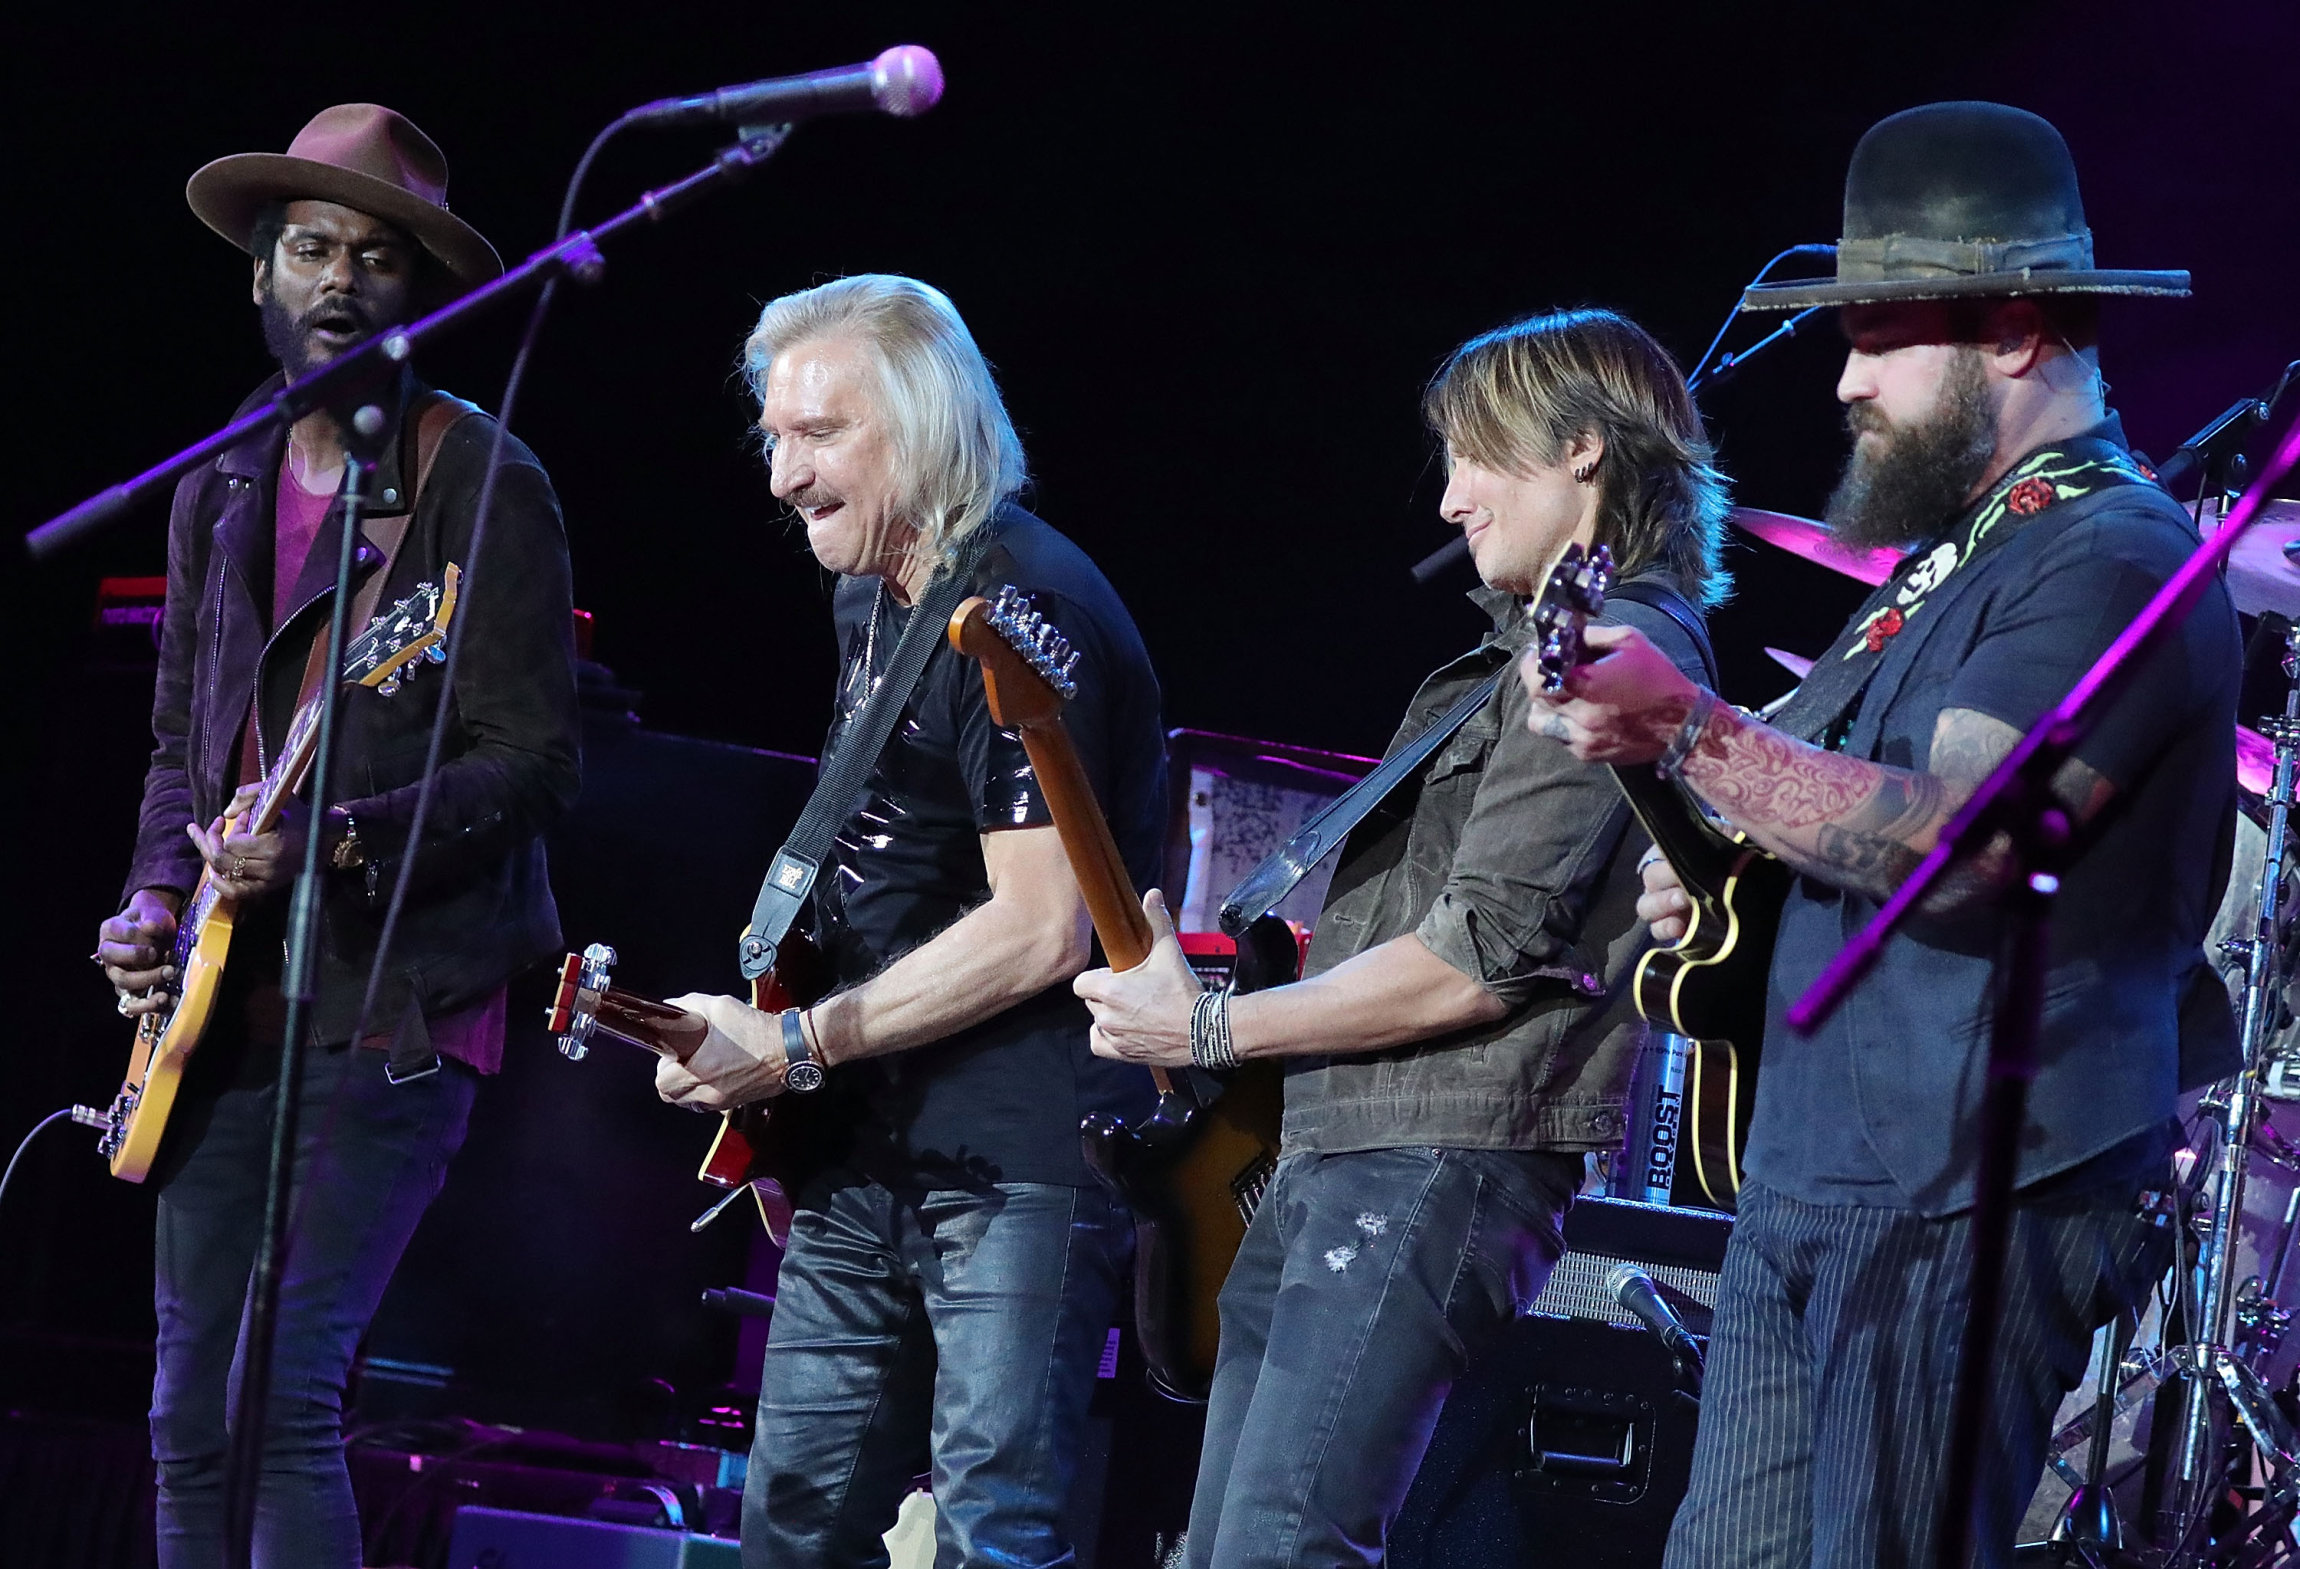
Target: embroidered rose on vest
[(2029, 497), (1883, 628)]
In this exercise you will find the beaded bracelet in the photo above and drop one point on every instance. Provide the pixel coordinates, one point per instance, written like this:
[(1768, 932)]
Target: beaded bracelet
[(1688, 733), (1211, 1046)]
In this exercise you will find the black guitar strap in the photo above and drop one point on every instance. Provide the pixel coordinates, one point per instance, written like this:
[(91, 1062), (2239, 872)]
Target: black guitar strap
[(791, 876), (1267, 885), (1654, 594)]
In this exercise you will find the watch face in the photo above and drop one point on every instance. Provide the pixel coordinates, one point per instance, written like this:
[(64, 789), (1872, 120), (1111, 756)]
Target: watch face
[(803, 1078)]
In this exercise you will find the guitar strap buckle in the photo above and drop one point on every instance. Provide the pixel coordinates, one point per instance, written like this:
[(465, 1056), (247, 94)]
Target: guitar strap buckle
[(789, 880)]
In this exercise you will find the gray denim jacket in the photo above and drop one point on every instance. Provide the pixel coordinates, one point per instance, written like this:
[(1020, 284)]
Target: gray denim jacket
[(1516, 865)]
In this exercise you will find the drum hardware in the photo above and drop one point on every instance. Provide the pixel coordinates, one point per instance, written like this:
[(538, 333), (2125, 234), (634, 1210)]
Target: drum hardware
[(2234, 1324)]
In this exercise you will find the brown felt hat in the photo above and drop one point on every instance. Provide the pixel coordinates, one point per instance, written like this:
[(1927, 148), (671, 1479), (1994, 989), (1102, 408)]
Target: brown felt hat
[(363, 156)]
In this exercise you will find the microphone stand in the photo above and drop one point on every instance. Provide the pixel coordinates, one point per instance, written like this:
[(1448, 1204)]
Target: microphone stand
[(244, 1464), (2016, 801), (372, 364), (344, 383)]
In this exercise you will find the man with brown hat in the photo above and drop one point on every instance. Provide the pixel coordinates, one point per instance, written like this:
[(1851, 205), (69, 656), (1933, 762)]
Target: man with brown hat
[(350, 233), (1982, 440)]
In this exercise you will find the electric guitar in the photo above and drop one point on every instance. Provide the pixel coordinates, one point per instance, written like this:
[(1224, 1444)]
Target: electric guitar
[(753, 1151), (1193, 1169), (1709, 985), (382, 657)]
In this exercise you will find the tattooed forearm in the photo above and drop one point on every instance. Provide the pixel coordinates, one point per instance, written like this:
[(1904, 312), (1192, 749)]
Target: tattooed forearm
[(1856, 824)]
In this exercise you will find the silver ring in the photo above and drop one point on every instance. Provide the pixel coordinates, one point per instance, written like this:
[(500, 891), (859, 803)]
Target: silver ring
[(1649, 857), (122, 1005), (239, 871)]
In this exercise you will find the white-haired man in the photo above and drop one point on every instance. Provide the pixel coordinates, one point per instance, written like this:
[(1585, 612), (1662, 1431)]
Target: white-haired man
[(953, 1269)]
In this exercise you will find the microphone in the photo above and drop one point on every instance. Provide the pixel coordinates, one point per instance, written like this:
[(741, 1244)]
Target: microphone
[(904, 81), (1635, 1291)]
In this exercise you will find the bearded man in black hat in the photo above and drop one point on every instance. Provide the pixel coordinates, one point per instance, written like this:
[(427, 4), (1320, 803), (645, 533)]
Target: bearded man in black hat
[(350, 233), (1982, 440)]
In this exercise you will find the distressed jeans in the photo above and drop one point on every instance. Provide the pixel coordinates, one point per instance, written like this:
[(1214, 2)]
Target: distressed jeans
[(950, 1330), (370, 1157), (1366, 1281)]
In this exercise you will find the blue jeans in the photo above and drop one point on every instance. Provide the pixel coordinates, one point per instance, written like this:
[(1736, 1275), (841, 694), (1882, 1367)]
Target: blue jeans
[(1365, 1283), (951, 1330), (369, 1160)]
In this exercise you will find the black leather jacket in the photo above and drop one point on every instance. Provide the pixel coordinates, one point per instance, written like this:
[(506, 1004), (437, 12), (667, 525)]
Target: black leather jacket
[(481, 906)]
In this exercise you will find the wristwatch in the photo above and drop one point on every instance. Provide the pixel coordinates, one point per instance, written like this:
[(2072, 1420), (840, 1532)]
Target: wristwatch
[(802, 1074)]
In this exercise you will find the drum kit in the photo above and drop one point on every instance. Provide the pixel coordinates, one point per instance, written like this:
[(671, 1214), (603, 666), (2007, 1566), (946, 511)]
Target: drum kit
[(2191, 1426)]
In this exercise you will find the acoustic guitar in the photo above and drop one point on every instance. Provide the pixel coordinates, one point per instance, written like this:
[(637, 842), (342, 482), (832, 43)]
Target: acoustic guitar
[(1194, 1168), (382, 657), (1709, 985)]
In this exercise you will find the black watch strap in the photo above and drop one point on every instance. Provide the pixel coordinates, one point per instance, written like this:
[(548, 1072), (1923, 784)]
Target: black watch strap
[(802, 1075)]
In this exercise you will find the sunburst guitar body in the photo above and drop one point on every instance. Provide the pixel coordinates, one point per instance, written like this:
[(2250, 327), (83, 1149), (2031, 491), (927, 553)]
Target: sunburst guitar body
[(1709, 985), (382, 656)]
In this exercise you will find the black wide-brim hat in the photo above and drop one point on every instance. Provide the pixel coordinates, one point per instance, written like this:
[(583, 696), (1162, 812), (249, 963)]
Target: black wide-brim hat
[(1955, 201), (367, 158)]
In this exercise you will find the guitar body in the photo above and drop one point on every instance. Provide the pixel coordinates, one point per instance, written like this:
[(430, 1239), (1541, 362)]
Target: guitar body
[(1192, 1176), (165, 1041), (1709, 986)]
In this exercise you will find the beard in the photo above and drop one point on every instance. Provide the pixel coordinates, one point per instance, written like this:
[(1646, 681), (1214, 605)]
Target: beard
[(1900, 489), (289, 336)]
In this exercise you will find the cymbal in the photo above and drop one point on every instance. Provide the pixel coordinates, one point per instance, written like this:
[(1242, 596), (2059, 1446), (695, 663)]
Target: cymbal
[(1804, 537), (2255, 760), (2261, 577)]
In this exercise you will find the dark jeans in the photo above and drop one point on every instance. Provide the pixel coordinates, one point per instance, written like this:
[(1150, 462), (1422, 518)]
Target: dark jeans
[(1365, 1283), (956, 1330), (368, 1162), (1825, 1414)]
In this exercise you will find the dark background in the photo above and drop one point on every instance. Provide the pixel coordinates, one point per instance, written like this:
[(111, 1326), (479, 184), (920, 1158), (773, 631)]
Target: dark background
[(1214, 252)]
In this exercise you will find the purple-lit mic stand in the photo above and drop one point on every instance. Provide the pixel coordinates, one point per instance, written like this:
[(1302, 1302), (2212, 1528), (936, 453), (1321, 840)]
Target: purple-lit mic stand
[(2017, 801)]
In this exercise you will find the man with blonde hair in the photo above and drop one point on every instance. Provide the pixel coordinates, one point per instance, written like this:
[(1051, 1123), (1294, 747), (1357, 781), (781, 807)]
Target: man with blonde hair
[(1460, 1041), (953, 1269)]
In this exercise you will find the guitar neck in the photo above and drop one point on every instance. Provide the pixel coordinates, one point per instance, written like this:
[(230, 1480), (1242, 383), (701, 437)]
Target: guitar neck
[(642, 1021), (1702, 857), (1094, 858)]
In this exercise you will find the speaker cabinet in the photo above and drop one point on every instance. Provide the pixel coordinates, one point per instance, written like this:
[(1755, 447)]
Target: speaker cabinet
[(1570, 1441)]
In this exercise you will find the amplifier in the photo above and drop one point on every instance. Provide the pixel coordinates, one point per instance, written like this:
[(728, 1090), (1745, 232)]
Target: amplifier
[(507, 1539), (1571, 1440)]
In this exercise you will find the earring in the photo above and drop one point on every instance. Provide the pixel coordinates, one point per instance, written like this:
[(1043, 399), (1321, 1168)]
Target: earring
[(1581, 475)]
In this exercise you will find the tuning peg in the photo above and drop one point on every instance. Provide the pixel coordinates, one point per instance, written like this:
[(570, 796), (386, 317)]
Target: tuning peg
[(436, 653)]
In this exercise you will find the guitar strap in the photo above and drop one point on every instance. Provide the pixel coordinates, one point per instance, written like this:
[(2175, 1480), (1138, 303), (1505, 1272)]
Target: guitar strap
[(1826, 703), (434, 412), (791, 875), (1268, 884)]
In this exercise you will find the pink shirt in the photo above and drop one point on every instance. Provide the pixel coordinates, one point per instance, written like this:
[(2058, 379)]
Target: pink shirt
[(295, 525)]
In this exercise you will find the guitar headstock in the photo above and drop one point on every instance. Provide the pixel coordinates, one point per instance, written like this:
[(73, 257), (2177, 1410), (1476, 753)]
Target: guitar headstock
[(575, 1004), (414, 629), (1026, 663), (1574, 593)]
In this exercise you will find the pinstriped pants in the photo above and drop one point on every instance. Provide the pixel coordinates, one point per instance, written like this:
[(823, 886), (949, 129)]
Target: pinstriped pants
[(1825, 1415)]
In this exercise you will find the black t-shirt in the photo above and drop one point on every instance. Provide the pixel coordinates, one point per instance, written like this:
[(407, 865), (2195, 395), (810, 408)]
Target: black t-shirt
[(1002, 1100)]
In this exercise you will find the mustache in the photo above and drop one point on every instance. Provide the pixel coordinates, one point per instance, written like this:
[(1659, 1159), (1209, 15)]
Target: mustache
[(1863, 419), (811, 497), (336, 313)]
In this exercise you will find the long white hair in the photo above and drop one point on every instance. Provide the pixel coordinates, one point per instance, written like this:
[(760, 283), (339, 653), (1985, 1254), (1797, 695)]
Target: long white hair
[(956, 454)]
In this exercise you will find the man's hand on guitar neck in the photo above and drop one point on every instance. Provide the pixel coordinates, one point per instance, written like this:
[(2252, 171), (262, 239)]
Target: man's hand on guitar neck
[(1847, 821), (244, 865), (740, 1061), (133, 949), (1662, 905)]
